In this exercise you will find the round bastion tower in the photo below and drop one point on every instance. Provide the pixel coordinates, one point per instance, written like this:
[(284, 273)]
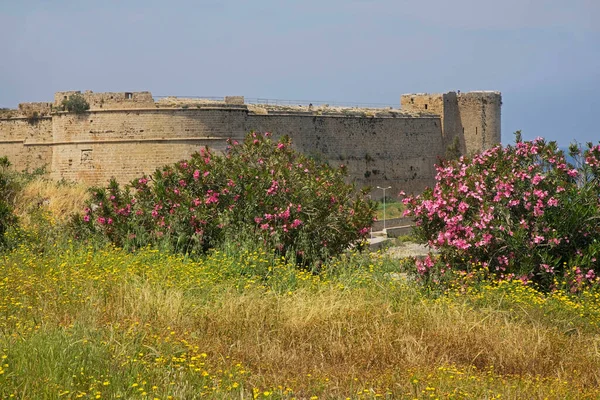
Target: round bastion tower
[(479, 120)]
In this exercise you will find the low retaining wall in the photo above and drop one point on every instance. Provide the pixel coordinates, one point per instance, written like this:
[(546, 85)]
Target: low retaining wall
[(399, 231), (392, 222)]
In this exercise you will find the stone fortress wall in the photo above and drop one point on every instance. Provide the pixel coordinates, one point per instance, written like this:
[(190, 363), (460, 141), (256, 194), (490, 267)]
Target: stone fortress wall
[(128, 134)]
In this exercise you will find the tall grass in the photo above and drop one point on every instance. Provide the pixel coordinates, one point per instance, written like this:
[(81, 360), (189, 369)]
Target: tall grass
[(58, 199), (80, 323)]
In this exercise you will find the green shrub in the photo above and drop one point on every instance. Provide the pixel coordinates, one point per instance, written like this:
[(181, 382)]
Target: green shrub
[(76, 103), (33, 118), (518, 211), (8, 190), (260, 193)]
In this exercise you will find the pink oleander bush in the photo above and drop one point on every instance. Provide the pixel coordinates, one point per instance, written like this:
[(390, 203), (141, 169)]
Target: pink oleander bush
[(261, 191), (519, 211)]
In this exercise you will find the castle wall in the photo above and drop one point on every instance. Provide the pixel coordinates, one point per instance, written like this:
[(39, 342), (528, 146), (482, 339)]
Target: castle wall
[(422, 102), (26, 142), (443, 105), (97, 145), (35, 110), (109, 100), (473, 117), (397, 152), (125, 135)]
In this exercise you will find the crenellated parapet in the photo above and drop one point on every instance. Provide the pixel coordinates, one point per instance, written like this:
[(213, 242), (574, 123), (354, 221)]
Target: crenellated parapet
[(35, 110)]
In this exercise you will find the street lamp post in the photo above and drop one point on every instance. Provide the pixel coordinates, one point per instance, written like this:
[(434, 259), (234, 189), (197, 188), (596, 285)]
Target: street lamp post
[(371, 199), (384, 189)]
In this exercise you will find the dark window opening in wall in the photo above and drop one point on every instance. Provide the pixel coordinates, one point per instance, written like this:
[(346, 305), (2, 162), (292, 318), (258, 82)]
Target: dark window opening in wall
[(476, 130), (426, 106), (463, 130), (128, 96), (412, 100)]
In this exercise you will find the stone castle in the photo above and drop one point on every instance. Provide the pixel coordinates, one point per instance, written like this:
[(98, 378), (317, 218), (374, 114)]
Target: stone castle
[(127, 134)]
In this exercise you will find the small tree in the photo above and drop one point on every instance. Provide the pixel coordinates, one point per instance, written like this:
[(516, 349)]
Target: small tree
[(76, 103)]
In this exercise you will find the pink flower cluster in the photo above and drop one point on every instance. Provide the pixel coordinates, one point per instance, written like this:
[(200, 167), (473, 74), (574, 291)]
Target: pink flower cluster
[(502, 208), (273, 189), (260, 185)]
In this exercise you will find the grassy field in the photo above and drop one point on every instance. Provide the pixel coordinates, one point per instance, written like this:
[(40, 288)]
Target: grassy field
[(393, 209), (82, 323), (93, 323)]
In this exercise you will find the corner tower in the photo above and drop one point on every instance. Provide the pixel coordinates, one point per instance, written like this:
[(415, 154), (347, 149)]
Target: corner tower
[(473, 117)]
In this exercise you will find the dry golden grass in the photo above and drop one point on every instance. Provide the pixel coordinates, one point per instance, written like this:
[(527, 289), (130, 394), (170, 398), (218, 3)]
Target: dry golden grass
[(346, 334), (145, 320), (59, 199)]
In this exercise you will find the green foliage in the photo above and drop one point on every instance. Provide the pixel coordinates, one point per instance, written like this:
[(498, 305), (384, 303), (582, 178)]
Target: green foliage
[(519, 210), (393, 209), (33, 118), (82, 322), (261, 192), (8, 190), (76, 103)]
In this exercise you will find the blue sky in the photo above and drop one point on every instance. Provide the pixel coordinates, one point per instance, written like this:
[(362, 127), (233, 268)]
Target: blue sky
[(543, 55)]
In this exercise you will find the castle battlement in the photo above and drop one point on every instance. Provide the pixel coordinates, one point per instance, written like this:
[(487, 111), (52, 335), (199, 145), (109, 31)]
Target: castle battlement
[(127, 134)]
